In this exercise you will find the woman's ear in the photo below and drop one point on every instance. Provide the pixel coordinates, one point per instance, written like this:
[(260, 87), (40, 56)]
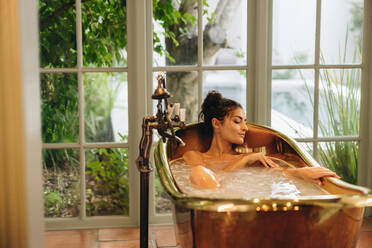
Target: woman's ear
[(216, 124)]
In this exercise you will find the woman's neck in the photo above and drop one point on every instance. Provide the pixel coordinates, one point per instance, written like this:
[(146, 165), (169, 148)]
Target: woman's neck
[(219, 146)]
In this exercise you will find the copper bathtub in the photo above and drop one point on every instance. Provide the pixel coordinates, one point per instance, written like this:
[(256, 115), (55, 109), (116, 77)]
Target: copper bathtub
[(314, 221)]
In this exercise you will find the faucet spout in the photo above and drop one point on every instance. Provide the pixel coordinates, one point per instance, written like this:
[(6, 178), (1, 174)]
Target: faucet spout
[(180, 141)]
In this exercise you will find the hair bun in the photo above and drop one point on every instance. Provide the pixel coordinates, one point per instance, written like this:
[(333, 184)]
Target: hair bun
[(211, 105), (213, 98)]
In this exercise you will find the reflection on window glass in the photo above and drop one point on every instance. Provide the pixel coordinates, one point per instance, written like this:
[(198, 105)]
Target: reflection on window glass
[(59, 107), (341, 31), (163, 204), (307, 146), (231, 84), (61, 182), (57, 33), (339, 102), (224, 32), (107, 182), (292, 102), (106, 107), (104, 33), (293, 32), (184, 88), (342, 158), (175, 36)]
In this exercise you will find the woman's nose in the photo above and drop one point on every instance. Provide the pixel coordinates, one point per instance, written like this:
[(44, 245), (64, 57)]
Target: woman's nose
[(244, 127)]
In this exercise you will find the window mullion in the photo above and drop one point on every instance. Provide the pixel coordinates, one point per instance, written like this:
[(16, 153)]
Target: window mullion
[(317, 66), (365, 156), (79, 48), (316, 79), (263, 63), (251, 65), (200, 52)]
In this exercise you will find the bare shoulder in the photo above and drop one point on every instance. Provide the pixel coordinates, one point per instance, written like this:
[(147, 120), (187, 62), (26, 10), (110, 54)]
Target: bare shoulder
[(193, 158)]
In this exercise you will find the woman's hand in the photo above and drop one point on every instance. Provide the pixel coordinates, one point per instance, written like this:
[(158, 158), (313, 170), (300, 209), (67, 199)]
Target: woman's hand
[(312, 174), (249, 159), (260, 157)]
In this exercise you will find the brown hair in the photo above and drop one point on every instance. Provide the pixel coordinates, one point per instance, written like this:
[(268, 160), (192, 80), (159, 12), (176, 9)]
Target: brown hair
[(216, 106)]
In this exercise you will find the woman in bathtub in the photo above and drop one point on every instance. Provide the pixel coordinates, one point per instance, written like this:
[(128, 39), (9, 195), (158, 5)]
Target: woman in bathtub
[(225, 121)]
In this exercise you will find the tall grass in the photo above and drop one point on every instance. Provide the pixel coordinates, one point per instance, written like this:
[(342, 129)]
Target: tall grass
[(340, 96), (339, 112)]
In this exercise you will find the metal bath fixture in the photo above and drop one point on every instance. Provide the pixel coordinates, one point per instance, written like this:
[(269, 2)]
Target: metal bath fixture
[(313, 221)]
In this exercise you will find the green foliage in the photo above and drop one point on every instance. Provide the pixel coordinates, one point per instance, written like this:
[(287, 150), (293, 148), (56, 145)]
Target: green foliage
[(52, 202), (101, 91), (340, 98), (104, 32), (62, 184), (174, 18), (162, 201), (59, 116), (282, 74), (341, 91), (341, 157), (357, 18), (59, 108), (107, 182), (57, 33)]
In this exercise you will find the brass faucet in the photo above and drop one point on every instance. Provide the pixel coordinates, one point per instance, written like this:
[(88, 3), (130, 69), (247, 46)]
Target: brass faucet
[(165, 125)]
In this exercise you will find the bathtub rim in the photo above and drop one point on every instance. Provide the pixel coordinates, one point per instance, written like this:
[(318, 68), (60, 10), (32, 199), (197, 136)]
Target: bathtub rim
[(361, 197)]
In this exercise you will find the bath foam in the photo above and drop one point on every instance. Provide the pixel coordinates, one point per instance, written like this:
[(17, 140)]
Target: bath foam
[(245, 183)]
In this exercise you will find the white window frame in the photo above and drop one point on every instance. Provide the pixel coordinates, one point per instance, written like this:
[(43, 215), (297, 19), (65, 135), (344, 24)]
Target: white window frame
[(315, 140), (82, 221)]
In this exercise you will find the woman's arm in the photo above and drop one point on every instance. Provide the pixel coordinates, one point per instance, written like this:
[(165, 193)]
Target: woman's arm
[(311, 174)]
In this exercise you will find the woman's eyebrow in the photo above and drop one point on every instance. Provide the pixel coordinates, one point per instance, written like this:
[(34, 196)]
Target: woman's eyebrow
[(238, 116), (241, 118)]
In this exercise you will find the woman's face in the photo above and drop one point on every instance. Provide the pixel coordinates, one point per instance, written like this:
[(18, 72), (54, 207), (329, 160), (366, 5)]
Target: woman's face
[(233, 127)]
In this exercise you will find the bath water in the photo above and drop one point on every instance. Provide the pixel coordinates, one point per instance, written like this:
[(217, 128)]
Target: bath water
[(249, 182)]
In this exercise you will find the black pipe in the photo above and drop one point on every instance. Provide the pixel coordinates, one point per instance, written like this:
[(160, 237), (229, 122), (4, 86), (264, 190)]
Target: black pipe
[(144, 210)]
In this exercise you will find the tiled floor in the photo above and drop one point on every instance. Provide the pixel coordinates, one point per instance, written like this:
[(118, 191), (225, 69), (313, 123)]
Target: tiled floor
[(160, 237)]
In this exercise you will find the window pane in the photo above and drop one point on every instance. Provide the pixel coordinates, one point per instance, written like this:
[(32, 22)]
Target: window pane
[(292, 102), (107, 182), (339, 102), (225, 32), (293, 31), (341, 31), (61, 182), (184, 88), (57, 33), (307, 146), (175, 33), (231, 84), (106, 107), (342, 158), (163, 205), (59, 107), (104, 33)]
